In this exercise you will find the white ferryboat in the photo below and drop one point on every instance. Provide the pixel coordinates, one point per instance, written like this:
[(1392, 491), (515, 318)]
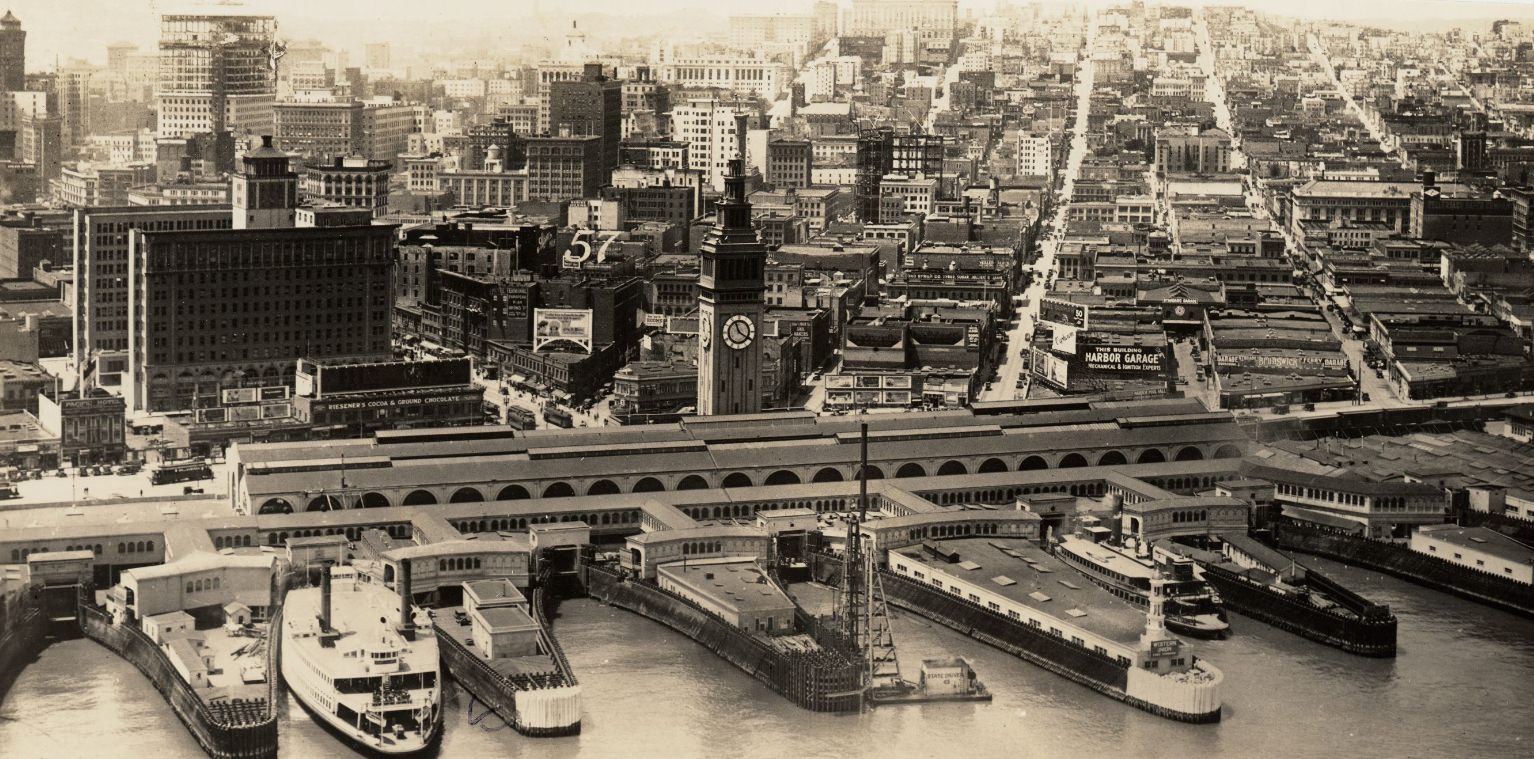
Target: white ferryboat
[(363, 662), (1192, 607)]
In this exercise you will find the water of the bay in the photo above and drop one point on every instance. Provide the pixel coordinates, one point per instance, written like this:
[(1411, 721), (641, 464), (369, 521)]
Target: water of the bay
[(1459, 688)]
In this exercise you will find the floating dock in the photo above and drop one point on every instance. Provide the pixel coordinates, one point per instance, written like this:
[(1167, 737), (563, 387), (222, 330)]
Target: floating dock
[(534, 689), (1272, 587), (816, 674), (1401, 561)]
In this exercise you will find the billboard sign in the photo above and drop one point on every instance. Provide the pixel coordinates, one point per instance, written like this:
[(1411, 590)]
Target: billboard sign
[(1063, 339), (251, 413), (1063, 312), (569, 325), (1124, 358), (580, 251), (1050, 369), (655, 320), (237, 395), (838, 380), (1165, 647), (515, 303), (1281, 361)]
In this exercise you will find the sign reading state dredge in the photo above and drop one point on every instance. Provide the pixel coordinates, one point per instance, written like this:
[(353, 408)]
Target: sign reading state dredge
[(1123, 358)]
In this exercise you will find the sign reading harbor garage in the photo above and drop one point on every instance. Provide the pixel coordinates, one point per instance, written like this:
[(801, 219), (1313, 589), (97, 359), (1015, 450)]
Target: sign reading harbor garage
[(1123, 358)]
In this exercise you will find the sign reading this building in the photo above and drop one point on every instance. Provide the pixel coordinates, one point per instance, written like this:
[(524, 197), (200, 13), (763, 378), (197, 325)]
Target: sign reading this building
[(1123, 358)]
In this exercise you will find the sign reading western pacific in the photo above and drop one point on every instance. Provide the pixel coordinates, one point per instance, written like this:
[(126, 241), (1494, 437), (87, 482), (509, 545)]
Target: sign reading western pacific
[(1123, 358), (1063, 312)]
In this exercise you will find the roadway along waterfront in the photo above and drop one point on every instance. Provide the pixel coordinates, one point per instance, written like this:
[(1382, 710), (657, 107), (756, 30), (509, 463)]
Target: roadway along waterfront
[(651, 692)]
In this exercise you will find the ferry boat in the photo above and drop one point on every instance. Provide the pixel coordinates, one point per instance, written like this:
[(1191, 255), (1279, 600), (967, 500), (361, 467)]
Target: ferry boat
[(1192, 607), (364, 662)]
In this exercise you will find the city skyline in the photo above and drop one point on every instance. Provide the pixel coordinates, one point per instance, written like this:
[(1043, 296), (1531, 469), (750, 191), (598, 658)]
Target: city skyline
[(103, 22), (879, 379)]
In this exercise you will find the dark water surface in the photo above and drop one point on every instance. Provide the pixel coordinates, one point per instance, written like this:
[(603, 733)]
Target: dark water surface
[(1460, 687)]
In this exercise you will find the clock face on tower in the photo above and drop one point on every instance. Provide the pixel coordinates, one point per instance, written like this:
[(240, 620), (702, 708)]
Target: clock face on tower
[(705, 332), (739, 331)]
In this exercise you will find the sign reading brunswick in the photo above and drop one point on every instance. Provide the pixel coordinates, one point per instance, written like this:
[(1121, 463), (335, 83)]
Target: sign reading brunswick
[(1123, 358), (1063, 312), (570, 325)]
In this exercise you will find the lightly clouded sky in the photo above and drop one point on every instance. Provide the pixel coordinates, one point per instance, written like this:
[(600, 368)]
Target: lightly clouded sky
[(83, 28)]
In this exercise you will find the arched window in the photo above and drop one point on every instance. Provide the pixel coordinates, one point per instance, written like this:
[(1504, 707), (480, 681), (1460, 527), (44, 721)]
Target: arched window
[(122, 547), (190, 588)]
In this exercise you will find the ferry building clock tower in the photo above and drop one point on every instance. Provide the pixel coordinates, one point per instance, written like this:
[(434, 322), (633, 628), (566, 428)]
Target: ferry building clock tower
[(730, 288)]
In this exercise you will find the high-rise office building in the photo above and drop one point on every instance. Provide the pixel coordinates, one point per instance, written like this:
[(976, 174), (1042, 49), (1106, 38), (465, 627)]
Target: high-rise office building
[(101, 260), (71, 101), (216, 309), (13, 54), (711, 129), (883, 151), (730, 287), (932, 18), (378, 55), (591, 106), (563, 168), (217, 73), (239, 308)]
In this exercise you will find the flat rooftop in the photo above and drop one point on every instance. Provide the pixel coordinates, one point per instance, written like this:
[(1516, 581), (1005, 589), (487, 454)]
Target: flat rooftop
[(1480, 539), (736, 584), (1025, 573)]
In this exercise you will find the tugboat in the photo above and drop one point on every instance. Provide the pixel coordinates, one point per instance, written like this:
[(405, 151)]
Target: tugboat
[(1192, 608), (356, 655)]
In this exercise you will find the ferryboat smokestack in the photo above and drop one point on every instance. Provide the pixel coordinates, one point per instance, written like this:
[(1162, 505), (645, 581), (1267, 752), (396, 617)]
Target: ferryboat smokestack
[(406, 619), (1117, 502), (325, 597)]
